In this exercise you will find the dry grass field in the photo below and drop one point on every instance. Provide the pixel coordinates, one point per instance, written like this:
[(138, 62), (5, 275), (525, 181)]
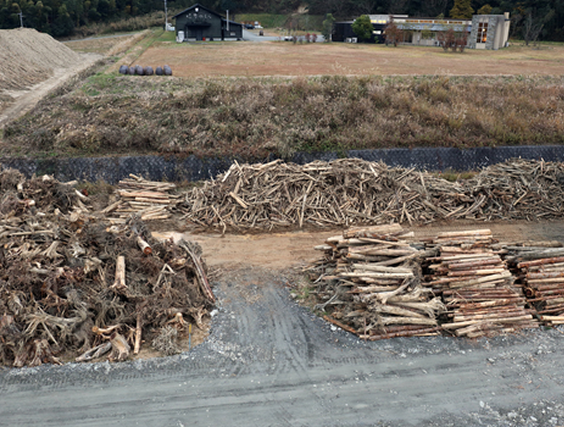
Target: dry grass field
[(250, 59)]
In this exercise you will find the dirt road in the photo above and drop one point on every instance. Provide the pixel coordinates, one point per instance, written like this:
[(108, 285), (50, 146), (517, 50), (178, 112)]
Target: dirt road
[(25, 100), (269, 362)]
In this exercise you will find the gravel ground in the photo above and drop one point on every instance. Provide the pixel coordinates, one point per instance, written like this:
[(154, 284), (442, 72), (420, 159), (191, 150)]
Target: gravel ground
[(272, 363)]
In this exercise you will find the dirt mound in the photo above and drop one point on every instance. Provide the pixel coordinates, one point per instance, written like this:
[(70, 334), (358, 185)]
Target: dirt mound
[(28, 57)]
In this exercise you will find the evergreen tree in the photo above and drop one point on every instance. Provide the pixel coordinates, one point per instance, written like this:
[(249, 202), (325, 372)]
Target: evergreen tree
[(62, 25), (461, 10), (328, 27), (485, 10), (362, 27)]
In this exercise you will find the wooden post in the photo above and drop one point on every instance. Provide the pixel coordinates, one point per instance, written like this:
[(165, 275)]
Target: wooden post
[(138, 328)]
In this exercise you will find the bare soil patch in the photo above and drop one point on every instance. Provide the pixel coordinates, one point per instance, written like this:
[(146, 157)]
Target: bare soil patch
[(286, 59), (110, 45), (280, 251)]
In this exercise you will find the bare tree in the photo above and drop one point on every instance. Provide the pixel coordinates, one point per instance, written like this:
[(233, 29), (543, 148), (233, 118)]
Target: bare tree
[(532, 26), (451, 40), (393, 34)]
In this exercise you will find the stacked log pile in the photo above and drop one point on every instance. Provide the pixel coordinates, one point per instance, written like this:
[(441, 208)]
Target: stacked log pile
[(370, 285), (69, 287), (150, 200), (349, 192), (540, 272), (476, 286)]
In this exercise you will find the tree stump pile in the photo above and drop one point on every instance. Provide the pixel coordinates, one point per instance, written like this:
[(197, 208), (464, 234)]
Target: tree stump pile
[(72, 286)]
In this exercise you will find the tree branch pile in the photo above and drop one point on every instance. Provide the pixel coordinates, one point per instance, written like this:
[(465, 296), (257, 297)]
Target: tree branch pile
[(349, 192), (150, 200), (72, 286), (519, 189), (370, 284)]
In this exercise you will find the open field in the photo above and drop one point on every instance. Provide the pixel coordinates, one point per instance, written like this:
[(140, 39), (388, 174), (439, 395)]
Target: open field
[(286, 59)]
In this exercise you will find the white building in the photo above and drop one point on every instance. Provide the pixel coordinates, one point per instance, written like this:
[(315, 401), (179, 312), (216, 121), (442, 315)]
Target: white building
[(483, 31)]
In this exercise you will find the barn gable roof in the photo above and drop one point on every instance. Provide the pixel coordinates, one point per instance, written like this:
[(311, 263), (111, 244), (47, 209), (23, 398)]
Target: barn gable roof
[(201, 7)]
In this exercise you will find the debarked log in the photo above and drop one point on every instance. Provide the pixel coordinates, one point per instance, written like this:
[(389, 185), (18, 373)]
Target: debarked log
[(119, 282), (414, 332), (374, 274), (502, 319)]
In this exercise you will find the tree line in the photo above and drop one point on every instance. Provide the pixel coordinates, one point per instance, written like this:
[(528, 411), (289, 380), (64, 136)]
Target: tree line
[(60, 17)]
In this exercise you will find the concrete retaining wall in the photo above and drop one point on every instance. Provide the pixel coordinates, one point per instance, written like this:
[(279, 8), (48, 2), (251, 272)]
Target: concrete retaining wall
[(159, 168)]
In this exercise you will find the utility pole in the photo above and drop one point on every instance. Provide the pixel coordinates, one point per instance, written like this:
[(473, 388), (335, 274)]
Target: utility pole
[(21, 18), (166, 17), (228, 20)]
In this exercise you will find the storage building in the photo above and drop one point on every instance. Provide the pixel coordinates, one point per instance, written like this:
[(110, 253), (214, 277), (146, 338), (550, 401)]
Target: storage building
[(198, 23), (489, 31)]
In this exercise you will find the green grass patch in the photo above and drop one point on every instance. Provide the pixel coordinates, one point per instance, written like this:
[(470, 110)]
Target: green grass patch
[(166, 36), (101, 82)]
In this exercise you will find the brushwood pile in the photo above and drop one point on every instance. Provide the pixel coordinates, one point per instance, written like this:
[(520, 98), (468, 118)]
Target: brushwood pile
[(352, 192), (79, 283)]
